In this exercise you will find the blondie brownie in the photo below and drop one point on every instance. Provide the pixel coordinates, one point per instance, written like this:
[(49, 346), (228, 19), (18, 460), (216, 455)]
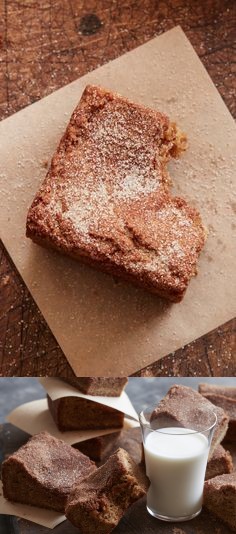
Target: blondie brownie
[(43, 472), (107, 387), (185, 406), (220, 463), (75, 413), (100, 501), (101, 447), (106, 200), (224, 397), (220, 498)]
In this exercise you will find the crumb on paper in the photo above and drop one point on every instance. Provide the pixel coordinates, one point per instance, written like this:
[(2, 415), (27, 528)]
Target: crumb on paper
[(45, 163)]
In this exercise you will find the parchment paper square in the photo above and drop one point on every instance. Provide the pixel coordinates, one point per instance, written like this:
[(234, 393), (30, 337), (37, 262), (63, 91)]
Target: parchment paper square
[(107, 328)]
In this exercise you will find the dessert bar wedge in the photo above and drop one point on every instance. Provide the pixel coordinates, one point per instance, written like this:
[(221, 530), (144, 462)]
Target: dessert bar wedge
[(220, 463), (43, 472), (129, 440), (106, 201), (213, 389), (224, 397), (101, 447), (97, 448), (107, 387), (183, 404), (98, 504), (220, 498), (75, 413)]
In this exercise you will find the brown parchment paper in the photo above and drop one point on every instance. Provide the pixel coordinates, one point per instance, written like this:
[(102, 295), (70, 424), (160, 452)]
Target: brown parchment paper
[(41, 516), (107, 328)]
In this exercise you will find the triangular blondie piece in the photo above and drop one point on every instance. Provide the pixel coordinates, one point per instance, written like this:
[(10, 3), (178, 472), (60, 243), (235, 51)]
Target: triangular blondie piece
[(43, 472), (184, 406), (98, 504)]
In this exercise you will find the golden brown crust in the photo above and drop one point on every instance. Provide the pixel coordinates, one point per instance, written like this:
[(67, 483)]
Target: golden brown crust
[(215, 389), (185, 406), (99, 502), (220, 463), (108, 387), (101, 447), (106, 200), (220, 498), (225, 398), (97, 448), (43, 472)]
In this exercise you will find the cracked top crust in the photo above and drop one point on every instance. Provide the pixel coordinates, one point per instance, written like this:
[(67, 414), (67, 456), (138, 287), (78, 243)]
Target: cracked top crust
[(185, 407), (98, 502), (106, 200), (50, 462)]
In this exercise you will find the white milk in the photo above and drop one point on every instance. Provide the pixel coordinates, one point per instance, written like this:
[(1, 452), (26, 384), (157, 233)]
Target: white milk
[(175, 464)]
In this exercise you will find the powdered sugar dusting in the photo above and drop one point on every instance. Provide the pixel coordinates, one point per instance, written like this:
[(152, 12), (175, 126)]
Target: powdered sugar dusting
[(171, 240), (174, 213), (115, 161), (108, 194), (134, 184), (88, 206)]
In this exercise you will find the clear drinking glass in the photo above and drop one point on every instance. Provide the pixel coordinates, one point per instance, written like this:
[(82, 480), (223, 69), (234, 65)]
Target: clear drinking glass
[(176, 457)]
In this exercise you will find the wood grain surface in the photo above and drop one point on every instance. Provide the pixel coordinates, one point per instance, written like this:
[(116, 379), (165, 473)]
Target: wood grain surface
[(136, 520), (46, 44)]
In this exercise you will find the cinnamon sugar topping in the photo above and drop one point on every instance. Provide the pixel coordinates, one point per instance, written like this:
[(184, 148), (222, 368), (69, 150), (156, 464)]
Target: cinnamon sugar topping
[(106, 197)]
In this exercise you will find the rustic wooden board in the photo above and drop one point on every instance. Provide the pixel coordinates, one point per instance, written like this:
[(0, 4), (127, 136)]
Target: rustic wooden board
[(45, 45), (135, 521)]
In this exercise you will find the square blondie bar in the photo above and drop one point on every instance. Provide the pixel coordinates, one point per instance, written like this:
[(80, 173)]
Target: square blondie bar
[(106, 199)]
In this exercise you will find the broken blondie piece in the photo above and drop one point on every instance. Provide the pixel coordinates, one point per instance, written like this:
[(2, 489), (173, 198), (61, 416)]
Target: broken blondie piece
[(100, 448), (220, 463), (183, 404), (220, 498), (43, 472), (76, 413), (106, 200), (225, 398), (100, 501), (95, 385)]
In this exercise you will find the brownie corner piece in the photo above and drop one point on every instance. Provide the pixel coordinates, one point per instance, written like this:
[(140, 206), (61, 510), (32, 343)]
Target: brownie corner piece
[(106, 201), (100, 501), (43, 472), (220, 498)]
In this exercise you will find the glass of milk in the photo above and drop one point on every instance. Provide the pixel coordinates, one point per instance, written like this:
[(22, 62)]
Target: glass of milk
[(176, 459)]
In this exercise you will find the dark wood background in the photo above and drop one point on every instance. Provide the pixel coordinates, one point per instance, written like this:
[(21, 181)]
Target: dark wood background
[(46, 44)]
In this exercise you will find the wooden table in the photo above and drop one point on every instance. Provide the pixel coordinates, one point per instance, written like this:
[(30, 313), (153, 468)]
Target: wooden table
[(47, 44)]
